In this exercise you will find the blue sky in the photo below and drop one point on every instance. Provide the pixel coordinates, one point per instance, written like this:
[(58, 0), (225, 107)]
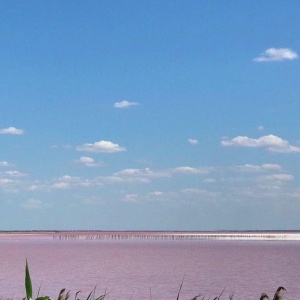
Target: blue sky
[(158, 115)]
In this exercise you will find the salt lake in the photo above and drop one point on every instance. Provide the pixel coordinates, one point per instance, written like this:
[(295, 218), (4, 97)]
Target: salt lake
[(148, 268)]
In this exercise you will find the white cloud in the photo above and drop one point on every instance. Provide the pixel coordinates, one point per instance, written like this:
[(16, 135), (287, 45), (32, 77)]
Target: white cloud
[(203, 194), (93, 200), (156, 193), (125, 104), (4, 163), (191, 170), (192, 141), (61, 185), (101, 147), (11, 181), (257, 168), (10, 185), (271, 166), (11, 130), (280, 177), (260, 128), (5, 181), (209, 180), (33, 204), (109, 179), (15, 174), (130, 198), (276, 54), (37, 186), (88, 161), (145, 175), (138, 175), (66, 182), (193, 191), (248, 168), (270, 142), (295, 194), (162, 172), (266, 190)]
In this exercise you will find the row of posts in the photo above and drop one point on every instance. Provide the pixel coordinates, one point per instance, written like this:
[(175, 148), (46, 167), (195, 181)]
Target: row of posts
[(130, 236)]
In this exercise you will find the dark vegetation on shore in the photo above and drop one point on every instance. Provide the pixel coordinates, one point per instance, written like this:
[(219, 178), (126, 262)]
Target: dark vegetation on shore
[(158, 231)]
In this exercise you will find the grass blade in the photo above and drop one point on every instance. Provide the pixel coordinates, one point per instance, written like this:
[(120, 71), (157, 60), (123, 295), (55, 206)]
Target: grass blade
[(180, 289), (91, 294), (196, 297), (77, 294), (221, 294), (38, 294), (28, 285)]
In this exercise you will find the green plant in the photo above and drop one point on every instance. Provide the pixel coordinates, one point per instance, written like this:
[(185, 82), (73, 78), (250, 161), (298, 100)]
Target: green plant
[(28, 285), (63, 295)]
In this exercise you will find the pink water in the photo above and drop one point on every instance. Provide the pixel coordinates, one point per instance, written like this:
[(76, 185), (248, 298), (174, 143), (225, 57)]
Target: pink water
[(129, 269)]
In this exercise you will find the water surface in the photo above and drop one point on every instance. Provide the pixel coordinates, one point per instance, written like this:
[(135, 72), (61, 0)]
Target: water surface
[(131, 268)]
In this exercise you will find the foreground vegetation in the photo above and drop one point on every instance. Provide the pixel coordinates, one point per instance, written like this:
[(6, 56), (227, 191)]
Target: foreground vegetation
[(65, 295)]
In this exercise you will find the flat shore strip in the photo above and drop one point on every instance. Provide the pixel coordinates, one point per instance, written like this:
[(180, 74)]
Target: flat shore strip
[(153, 235)]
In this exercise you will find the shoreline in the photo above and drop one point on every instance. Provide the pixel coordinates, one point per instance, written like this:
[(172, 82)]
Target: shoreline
[(152, 235)]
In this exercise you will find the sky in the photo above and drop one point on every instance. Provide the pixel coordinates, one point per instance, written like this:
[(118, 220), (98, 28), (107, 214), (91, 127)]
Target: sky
[(149, 115)]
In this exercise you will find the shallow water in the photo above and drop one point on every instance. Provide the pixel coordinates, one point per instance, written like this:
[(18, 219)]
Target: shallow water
[(135, 269)]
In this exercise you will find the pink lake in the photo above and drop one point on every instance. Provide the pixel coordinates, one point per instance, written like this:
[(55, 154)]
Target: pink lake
[(132, 269)]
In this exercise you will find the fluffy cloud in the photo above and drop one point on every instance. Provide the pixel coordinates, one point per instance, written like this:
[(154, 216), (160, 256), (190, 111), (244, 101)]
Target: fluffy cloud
[(10, 185), (88, 161), (260, 128), (257, 168), (276, 54), (33, 204), (138, 175), (156, 193), (145, 175), (271, 167), (200, 194), (11, 130), (4, 163), (15, 174), (61, 185), (67, 182), (38, 186), (191, 170), (209, 180), (192, 141), (295, 194), (5, 181), (270, 142), (130, 198), (125, 104), (192, 191), (278, 178), (101, 147)]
